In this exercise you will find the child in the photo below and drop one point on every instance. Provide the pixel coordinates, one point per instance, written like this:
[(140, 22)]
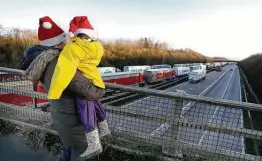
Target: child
[(83, 54)]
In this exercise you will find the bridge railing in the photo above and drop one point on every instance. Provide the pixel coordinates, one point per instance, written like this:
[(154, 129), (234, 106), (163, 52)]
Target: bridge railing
[(210, 128)]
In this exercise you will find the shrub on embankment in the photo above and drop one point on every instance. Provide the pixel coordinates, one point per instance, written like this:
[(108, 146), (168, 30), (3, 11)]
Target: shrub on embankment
[(118, 53), (252, 67), (12, 45)]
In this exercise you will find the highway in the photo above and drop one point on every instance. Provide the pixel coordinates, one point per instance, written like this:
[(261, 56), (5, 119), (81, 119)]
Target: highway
[(197, 88), (222, 85), (226, 116), (163, 107), (228, 87), (155, 104)]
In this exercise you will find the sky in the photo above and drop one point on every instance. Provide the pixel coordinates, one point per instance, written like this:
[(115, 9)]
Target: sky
[(227, 28)]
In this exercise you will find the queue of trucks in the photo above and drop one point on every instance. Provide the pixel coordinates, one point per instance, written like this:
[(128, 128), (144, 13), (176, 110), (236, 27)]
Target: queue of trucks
[(156, 73), (131, 75), (148, 74)]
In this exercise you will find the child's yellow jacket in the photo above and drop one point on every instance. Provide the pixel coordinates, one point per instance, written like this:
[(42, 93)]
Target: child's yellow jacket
[(79, 54)]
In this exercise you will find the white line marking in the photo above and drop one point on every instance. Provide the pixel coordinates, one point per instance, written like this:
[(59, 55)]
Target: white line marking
[(210, 121), (176, 86), (190, 104), (241, 118), (151, 96), (159, 131)]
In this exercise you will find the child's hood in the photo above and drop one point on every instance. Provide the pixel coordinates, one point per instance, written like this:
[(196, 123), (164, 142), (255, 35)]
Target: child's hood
[(93, 48)]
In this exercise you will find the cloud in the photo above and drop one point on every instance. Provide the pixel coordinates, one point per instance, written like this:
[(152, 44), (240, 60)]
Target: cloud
[(232, 32)]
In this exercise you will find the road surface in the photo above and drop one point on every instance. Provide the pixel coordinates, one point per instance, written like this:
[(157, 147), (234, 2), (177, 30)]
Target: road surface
[(227, 88)]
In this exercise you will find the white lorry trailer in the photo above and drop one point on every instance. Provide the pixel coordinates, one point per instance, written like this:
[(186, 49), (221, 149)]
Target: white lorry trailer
[(136, 69), (181, 71)]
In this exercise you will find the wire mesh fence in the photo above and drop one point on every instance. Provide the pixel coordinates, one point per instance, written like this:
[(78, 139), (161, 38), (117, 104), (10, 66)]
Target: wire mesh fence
[(208, 128)]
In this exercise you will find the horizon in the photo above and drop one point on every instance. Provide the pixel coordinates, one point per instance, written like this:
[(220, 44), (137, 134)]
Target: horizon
[(215, 29)]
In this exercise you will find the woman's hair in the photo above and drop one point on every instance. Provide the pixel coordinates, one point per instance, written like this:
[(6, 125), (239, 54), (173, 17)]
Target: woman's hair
[(83, 36)]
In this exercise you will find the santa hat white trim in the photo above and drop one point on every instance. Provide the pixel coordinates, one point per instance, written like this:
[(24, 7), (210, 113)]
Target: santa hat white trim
[(54, 41), (71, 34), (88, 32)]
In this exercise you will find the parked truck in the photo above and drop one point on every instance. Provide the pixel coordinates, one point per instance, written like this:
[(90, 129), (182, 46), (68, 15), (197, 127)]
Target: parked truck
[(197, 73)]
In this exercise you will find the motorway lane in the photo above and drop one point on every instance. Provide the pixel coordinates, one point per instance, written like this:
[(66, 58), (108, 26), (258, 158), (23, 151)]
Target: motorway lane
[(201, 113), (122, 123), (233, 117), (157, 106), (228, 117), (197, 88), (161, 106)]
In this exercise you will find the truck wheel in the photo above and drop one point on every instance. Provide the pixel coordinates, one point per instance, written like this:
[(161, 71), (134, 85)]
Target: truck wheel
[(142, 84)]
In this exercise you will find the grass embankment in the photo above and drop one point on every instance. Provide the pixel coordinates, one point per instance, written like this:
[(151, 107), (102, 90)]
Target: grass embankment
[(252, 68)]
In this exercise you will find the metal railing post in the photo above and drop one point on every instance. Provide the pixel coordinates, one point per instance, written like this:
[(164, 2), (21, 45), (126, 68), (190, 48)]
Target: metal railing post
[(167, 147), (34, 98)]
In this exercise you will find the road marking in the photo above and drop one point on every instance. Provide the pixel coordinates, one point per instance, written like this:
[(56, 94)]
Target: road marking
[(160, 130), (151, 96), (164, 127), (241, 118), (188, 106), (214, 114)]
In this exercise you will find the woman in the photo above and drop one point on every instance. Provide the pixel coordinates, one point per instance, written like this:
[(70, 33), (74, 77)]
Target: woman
[(63, 110), (83, 53)]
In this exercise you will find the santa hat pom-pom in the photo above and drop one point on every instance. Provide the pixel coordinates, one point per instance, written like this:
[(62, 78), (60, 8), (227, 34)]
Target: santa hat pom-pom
[(71, 34), (47, 25)]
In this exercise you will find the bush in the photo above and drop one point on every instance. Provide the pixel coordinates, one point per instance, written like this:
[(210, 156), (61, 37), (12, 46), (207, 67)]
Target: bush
[(119, 53), (252, 67), (13, 44)]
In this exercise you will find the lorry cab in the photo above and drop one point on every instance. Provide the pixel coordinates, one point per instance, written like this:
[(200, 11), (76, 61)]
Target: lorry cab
[(197, 73)]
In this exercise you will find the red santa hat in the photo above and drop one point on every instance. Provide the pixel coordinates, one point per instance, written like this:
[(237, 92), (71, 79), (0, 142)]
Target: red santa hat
[(81, 24), (49, 33)]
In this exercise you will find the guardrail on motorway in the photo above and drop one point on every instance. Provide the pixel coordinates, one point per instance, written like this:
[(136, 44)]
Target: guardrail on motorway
[(155, 120)]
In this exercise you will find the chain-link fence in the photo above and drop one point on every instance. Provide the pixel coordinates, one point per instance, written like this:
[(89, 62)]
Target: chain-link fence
[(209, 129)]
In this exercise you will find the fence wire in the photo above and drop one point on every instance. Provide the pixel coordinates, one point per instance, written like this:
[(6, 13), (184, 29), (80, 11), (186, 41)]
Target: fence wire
[(210, 129)]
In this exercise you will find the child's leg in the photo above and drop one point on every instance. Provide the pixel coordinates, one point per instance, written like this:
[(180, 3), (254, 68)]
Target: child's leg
[(101, 118), (100, 111), (87, 114)]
